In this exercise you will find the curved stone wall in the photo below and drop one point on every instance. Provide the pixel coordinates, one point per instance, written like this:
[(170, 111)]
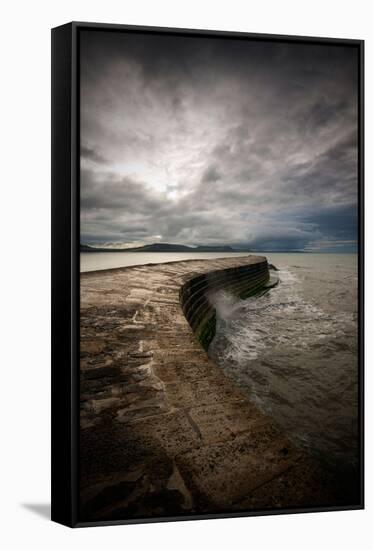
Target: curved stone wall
[(242, 281), (163, 431)]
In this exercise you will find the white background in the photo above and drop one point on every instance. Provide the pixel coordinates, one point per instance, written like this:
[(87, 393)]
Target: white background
[(25, 273)]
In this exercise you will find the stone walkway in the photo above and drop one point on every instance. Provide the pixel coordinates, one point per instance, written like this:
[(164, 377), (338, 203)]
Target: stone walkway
[(163, 431)]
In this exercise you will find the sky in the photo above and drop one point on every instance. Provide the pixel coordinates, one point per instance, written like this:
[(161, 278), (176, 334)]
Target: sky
[(201, 141)]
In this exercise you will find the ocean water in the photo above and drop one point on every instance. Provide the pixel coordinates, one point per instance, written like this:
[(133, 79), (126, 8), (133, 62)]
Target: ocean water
[(294, 352), (92, 261)]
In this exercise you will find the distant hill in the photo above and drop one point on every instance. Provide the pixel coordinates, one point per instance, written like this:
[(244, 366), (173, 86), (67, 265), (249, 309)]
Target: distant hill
[(87, 248), (162, 247)]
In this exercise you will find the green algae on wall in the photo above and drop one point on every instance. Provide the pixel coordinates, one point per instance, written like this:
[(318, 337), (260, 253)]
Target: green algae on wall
[(242, 281)]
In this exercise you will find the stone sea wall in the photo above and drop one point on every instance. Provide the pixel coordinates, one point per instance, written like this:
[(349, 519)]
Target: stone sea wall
[(241, 281), (163, 432)]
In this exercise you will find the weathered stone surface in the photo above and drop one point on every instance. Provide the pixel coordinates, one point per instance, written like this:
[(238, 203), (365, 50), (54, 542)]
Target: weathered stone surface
[(221, 473), (163, 431)]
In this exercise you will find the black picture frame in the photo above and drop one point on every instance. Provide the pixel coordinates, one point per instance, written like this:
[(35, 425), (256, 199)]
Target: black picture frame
[(66, 262)]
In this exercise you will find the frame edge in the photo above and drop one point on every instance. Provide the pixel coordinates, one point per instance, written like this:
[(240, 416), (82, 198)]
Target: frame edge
[(62, 460)]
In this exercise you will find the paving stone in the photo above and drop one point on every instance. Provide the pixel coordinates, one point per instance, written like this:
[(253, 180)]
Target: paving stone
[(163, 431)]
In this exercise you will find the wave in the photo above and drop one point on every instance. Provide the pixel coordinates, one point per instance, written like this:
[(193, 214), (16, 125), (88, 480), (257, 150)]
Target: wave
[(293, 351)]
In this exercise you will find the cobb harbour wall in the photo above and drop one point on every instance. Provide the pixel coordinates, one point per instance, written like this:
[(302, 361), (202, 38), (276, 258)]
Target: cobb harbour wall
[(241, 281), (163, 432)]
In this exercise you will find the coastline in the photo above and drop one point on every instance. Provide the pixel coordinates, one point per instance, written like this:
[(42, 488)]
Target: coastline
[(163, 431)]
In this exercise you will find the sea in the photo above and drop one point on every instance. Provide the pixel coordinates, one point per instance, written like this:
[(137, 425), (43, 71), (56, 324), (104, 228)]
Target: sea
[(293, 351), (94, 261)]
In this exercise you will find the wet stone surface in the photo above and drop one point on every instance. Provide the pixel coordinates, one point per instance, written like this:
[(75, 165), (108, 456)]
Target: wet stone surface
[(163, 431)]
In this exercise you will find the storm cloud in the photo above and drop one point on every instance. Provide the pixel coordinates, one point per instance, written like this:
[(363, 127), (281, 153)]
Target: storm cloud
[(195, 141)]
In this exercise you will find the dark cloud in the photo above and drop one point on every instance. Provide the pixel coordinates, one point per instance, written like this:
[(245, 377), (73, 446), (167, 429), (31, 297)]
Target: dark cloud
[(339, 223), (211, 174), (107, 191), (196, 140), (90, 155)]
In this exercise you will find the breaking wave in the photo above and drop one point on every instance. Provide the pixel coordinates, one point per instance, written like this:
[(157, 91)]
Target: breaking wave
[(294, 352)]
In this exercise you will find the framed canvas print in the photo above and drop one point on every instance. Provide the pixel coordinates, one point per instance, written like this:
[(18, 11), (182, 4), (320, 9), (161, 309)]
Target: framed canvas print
[(207, 274)]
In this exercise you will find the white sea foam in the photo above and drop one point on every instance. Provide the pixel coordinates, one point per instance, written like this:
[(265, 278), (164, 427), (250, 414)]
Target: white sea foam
[(294, 351)]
